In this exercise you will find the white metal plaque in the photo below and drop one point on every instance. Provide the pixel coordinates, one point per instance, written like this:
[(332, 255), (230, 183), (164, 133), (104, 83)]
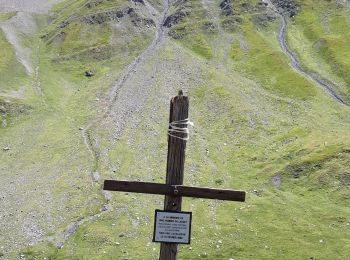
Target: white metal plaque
[(172, 227)]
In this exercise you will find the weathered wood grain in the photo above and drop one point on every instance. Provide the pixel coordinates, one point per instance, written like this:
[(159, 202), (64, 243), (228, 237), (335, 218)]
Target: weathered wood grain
[(174, 190), (175, 166)]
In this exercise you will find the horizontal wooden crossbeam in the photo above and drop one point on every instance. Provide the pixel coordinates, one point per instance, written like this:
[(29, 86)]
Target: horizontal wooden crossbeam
[(173, 190)]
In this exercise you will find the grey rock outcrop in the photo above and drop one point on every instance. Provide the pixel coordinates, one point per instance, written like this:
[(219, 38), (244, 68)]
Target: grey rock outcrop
[(287, 6)]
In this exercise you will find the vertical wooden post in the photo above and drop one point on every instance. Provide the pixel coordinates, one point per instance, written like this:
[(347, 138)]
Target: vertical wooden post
[(175, 166)]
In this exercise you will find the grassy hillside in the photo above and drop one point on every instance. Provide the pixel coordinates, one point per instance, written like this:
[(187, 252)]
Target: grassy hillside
[(320, 35), (44, 154), (260, 126)]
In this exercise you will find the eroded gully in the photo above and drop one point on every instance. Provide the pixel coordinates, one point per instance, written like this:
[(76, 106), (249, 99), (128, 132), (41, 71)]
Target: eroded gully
[(314, 77), (87, 134)]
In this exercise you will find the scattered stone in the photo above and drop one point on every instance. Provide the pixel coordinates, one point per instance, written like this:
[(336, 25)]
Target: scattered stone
[(106, 207), (232, 23), (263, 19), (276, 181), (219, 181), (89, 73), (6, 149), (103, 17), (117, 243), (226, 7), (80, 128), (178, 33), (257, 193), (246, 6), (287, 6), (137, 20), (176, 17), (138, 2), (204, 255), (95, 176), (209, 27), (107, 195), (2, 109), (345, 179), (4, 123), (63, 25)]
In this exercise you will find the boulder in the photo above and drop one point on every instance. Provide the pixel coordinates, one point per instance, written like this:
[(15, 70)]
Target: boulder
[(175, 18), (89, 73)]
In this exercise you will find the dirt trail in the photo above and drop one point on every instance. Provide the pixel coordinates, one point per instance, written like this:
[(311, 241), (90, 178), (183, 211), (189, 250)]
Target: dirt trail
[(87, 132), (282, 38)]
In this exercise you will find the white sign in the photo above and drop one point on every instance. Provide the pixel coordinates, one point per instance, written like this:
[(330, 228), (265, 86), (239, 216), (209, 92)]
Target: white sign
[(172, 227)]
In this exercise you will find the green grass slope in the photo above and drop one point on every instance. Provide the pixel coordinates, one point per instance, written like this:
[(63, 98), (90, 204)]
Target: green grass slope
[(320, 35), (11, 71), (40, 125), (259, 127)]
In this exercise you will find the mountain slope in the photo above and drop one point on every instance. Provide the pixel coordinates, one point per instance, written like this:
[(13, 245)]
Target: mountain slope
[(260, 125)]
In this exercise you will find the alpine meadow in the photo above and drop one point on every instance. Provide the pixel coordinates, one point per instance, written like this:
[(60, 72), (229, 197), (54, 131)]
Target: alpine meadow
[(85, 87)]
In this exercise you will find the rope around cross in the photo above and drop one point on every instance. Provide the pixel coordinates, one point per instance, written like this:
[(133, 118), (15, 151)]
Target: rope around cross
[(180, 126)]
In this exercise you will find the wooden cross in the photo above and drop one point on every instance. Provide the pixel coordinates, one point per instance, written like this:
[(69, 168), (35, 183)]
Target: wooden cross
[(174, 189)]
